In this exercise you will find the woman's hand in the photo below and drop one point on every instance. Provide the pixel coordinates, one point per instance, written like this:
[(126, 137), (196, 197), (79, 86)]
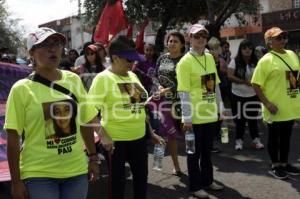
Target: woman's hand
[(272, 108), (19, 190), (162, 91), (156, 139), (187, 127), (93, 170), (107, 141)]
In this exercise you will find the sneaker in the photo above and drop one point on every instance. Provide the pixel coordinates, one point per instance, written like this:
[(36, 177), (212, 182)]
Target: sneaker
[(291, 170), (215, 187), (215, 150), (177, 173), (256, 144), (278, 173), (238, 144), (200, 194)]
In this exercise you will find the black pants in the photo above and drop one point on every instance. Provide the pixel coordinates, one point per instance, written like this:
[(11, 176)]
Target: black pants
[(279, 141), (245, 113), (135, 153), (199, 164)]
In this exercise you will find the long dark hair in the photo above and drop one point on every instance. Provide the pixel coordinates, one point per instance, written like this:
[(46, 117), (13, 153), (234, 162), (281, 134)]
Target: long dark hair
[(58, 131), (155, 55), (240, 64), (98, 62)]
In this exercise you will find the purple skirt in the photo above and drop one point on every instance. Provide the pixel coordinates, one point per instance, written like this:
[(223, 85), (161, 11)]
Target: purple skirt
[(161, 110)]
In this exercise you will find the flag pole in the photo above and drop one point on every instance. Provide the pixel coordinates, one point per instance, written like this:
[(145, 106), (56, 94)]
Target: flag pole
[(80, 22)]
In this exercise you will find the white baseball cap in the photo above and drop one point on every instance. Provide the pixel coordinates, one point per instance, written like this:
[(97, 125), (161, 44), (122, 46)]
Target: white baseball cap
[(195, 28), (40, 35)]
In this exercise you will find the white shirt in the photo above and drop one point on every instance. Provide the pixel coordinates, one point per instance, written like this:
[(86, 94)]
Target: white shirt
[(79, 61), (242, 90)]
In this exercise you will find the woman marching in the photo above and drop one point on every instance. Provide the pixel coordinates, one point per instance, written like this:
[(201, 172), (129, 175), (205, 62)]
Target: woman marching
[(245, 103), (49, 167), (166, 100)]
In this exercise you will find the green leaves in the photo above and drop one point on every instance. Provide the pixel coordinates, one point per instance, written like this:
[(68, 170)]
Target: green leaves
[(9, 30)]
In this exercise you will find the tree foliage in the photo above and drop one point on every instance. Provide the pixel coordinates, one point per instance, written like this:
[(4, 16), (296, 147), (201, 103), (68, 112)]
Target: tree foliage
[(9, 30), (170, 13)]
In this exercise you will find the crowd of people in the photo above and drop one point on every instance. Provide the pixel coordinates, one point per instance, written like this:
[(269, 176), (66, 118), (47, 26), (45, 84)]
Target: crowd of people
[(126, 98)]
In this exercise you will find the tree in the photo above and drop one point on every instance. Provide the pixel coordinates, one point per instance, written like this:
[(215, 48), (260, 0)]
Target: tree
[(170, 13), (9, 30)]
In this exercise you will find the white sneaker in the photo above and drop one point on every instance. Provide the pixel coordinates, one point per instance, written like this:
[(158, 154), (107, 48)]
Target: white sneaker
[(215, 187), (200, 194), (238, 144), (256, 144)]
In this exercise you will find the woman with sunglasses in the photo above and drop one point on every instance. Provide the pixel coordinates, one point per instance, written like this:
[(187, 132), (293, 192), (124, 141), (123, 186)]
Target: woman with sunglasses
[(199, 108), (91, 67), (56, 167), (245, 104), (281, 100), (120, 97)]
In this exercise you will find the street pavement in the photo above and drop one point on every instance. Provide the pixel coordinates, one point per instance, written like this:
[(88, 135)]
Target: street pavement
[(244, 174)]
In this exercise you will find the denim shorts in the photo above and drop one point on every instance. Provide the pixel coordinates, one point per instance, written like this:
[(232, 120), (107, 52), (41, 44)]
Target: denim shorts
[(57, 188)]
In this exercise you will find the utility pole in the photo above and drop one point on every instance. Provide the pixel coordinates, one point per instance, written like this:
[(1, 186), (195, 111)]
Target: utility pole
[(80, 22)]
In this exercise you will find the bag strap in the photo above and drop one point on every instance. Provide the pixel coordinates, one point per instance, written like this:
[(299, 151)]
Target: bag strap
[(37, 78), (283, 61)]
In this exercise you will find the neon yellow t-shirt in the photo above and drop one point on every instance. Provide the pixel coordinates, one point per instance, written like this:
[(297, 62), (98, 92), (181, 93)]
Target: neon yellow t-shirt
[(279, 86), (53, 145), (198, 76), (121, 102)]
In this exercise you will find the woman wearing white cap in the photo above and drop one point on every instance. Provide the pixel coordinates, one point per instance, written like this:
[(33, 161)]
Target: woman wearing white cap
[(199, 108), (276, 82), (48, 167)]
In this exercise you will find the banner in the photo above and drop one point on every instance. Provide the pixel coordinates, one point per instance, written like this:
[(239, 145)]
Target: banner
[(4, 171), (9, 74)]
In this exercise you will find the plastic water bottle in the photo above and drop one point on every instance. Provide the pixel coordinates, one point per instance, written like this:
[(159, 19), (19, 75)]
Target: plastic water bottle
[(190, 142), (224, 133), (158, 155)]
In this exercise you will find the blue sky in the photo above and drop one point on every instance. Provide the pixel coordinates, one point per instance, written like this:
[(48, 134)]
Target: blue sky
[(35, 12)]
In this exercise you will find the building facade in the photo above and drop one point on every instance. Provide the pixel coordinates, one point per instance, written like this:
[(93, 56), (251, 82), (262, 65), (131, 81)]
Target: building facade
[(286, 15), (72, 29)]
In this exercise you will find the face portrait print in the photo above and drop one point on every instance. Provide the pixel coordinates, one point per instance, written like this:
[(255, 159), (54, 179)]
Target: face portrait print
[(135, 92), (60, 118), (208, 83), (293, 79)]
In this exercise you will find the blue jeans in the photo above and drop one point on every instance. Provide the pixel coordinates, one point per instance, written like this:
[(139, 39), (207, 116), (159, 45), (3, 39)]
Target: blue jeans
[(55, 188)]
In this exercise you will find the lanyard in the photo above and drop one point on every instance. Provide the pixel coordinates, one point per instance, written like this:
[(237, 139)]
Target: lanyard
[(203, 66), (282, 60)]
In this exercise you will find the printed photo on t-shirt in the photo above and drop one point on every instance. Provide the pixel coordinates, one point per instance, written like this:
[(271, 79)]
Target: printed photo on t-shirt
[(135, 92), (60, 118), (293, 84), (208, 83)]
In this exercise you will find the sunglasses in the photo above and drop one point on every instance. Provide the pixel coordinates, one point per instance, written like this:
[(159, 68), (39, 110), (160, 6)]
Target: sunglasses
[(280, 37), (48, 44), (199, 35), (90, 54), (247, 47)]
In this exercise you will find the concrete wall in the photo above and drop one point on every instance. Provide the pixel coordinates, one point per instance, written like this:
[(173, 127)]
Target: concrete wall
[(276, 5)]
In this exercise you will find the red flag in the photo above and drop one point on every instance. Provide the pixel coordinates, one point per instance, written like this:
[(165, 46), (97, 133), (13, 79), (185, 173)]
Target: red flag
[(111, 22), (129, 31), (139, 42)]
